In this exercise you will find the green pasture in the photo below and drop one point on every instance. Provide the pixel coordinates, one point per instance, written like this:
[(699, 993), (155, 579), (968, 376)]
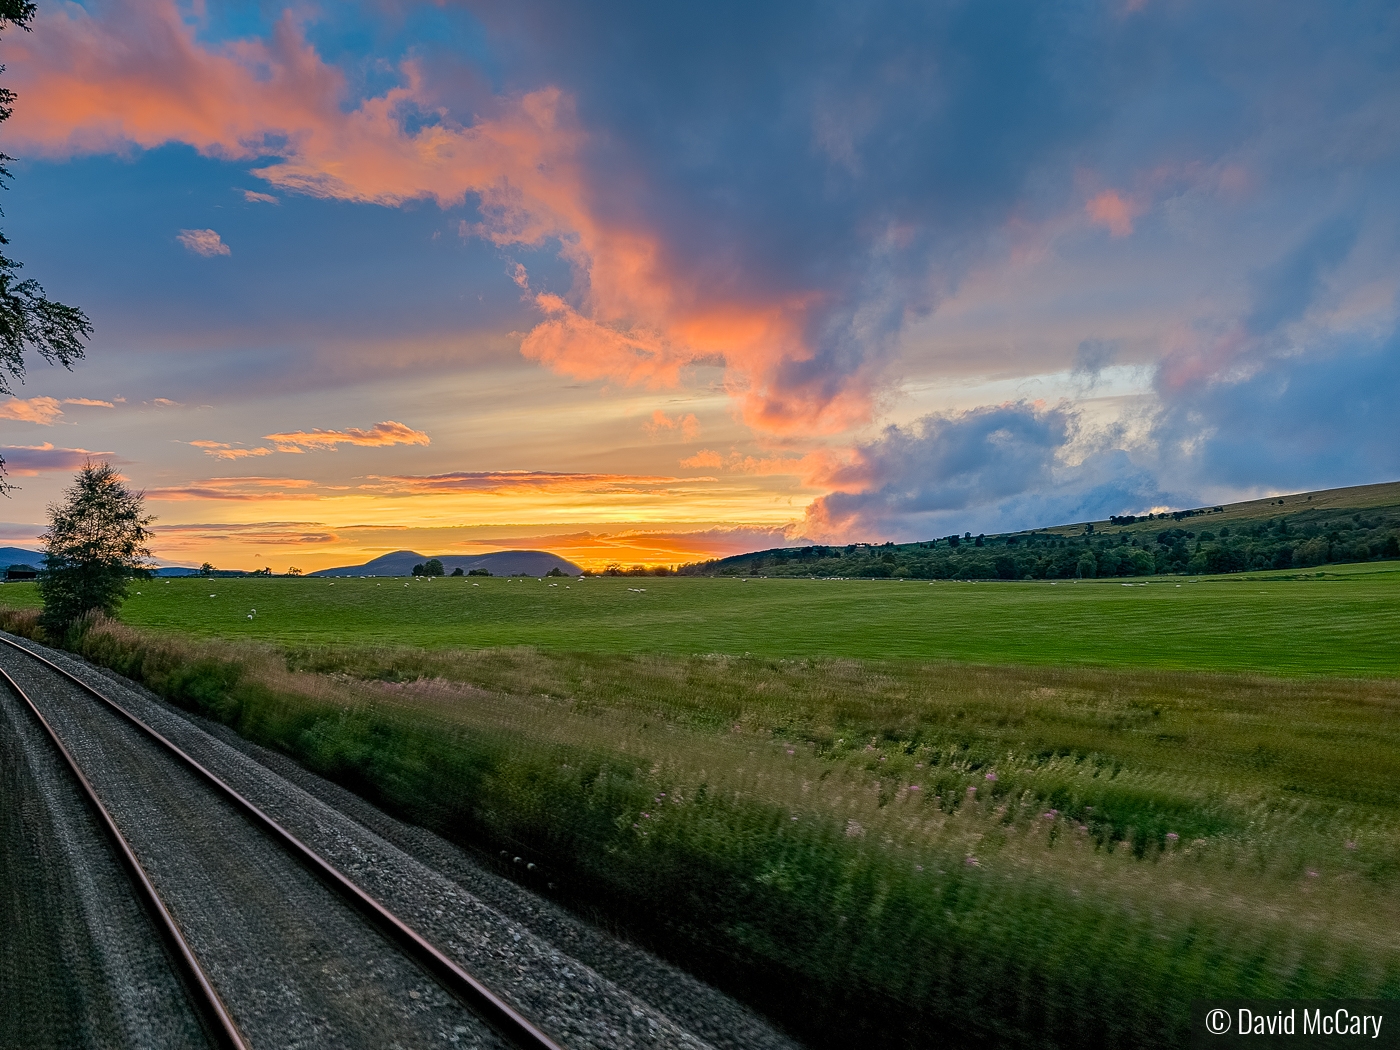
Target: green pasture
[(1342, 621)]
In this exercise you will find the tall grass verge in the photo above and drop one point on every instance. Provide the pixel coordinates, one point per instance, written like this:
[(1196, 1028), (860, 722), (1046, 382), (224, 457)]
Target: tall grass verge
[(880, 851)]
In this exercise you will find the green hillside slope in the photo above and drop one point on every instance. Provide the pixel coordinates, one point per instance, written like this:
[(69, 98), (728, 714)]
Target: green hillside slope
[(1300, 531)]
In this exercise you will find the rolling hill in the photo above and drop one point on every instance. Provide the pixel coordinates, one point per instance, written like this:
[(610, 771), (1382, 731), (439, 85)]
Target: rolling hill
[(497, 563), (1302, 530), (20, 556)]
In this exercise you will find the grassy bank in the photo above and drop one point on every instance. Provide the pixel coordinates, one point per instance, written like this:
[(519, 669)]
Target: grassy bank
[(880, 850), (1342, 621)]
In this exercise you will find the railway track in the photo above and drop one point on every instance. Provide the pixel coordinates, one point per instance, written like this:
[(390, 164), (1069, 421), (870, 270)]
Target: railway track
[(277, 946)]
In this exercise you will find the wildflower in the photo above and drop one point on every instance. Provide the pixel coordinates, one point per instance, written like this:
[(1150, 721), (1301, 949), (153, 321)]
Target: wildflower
[(1172, 836), (972, 790), (915, 787), (1312, 874), (1351, 845), (1051, 814), (972, 862), (991, 776)]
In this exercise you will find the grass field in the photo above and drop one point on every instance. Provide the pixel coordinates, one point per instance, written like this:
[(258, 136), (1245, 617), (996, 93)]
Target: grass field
[(1342, 621), (1020, 814)]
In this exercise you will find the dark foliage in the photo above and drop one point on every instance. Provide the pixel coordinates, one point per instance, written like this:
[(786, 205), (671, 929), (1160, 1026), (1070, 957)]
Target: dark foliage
[(1306, 540), (96, 542)]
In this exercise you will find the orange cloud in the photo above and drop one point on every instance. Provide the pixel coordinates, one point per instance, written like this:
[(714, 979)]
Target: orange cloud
[(43, 410), (220, 450), (319, 545), (661, 423), (704, 458), (245, 489), (275, 533), (500, 481), (657, 547), (140, 78), (381, 434), (820, 469), (1113, 210)]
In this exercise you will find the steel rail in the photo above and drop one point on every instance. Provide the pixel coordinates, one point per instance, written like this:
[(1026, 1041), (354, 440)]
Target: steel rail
[(215, 1013), (504, 1018)]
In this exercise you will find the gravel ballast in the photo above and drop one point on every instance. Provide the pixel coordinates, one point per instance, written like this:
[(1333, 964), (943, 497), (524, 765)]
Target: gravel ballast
[(81, 964), (583, 986)]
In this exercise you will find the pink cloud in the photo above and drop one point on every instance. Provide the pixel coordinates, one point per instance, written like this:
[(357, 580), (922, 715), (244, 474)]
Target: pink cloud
[(139, 78), (1109, 208), (31, 460), (244, 489), (203, 242)]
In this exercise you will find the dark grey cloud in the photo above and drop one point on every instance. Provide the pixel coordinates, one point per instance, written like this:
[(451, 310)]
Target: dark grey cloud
[(989, 469), (1284, 290), (871, 153), (1324, 420)]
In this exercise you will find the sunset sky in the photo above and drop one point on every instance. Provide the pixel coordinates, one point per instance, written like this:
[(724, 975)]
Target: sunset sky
[(648, 282)]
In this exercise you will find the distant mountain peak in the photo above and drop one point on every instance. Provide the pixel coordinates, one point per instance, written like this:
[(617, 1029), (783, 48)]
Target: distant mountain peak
[(498, 563)]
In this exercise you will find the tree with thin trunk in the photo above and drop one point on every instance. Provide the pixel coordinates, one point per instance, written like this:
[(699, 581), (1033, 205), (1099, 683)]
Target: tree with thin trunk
[(96, 543)]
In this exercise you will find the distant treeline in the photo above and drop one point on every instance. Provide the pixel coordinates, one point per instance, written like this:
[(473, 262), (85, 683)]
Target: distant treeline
[(1274, 544)]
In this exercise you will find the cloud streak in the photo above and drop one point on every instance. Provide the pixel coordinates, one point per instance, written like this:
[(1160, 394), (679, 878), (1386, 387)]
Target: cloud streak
[(502, 482), (378, 436), (251, 489), (32, 460), (221, 450)]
